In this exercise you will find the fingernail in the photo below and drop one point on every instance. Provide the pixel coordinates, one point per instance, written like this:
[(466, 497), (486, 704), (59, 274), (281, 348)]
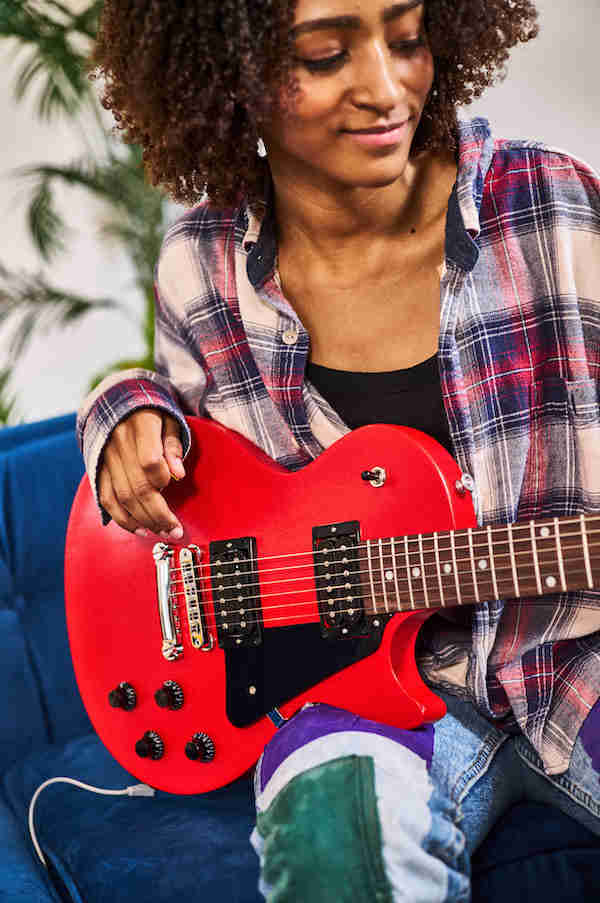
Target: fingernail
[(176, 533), (179, 468), (141, 532)]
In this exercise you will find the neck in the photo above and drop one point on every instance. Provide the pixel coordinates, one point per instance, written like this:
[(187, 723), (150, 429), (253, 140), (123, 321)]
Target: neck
[(328, 222)]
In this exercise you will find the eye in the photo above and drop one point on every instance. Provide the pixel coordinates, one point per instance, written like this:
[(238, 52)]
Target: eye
[(325, 64), (408, 47)]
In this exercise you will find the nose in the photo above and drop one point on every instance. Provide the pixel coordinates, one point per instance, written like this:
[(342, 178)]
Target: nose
[(377, 83)]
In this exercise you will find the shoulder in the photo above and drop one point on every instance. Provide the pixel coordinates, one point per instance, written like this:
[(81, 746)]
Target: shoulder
[(194, 249), (525, 165)]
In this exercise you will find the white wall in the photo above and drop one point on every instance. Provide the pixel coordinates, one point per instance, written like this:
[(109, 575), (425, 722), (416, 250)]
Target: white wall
[(551, 94)]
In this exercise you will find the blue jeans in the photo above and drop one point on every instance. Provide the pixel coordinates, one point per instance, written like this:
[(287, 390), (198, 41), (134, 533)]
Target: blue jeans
[(350, 810)]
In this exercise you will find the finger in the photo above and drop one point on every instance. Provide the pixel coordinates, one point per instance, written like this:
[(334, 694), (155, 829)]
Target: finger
[(173, 449), (109, 502), (143, 501), (144, 446)]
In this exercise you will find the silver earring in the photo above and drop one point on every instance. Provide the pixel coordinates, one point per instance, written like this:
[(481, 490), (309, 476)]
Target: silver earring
[(261, 150)]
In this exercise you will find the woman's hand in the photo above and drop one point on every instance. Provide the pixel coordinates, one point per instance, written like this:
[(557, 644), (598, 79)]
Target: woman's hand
[(141, 456)]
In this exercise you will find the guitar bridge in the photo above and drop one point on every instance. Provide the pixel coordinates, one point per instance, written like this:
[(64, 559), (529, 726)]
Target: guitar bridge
[(236, 596), (190, 565)]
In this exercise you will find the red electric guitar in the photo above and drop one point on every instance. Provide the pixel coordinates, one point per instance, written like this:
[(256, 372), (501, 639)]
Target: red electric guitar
[(286, 588)]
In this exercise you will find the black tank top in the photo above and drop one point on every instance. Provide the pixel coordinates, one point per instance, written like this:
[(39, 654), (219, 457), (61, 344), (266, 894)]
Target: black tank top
[(410, 397)]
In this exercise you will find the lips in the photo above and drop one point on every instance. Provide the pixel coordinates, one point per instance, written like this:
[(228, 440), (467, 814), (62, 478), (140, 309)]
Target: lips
[(377, 129)]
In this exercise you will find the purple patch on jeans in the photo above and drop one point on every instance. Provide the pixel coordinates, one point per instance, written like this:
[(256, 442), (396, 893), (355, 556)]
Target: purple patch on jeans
[(321, 719), (590, 736)]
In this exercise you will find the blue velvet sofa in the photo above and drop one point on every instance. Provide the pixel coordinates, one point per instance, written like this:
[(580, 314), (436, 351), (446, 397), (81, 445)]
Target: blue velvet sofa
[(163, 848)]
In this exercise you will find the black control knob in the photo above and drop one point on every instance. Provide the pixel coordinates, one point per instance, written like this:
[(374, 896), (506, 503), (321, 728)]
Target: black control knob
[(123, 697), (201, 748), (169, 696), (150, 746)]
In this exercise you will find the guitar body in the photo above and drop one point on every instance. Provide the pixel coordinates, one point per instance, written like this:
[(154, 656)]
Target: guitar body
[(231, 490)]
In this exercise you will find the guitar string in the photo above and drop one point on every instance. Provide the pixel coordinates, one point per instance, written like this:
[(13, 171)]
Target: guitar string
[(265, 622), (399, 551), (432, 590), (375, 569), (390, 567), (414, 538)]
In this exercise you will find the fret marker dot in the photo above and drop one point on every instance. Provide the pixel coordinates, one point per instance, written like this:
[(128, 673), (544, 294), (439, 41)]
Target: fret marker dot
[(389, 575), (544, 532), (416, 572), (350, 611), (447, 569), (551, 581), (482, 564)]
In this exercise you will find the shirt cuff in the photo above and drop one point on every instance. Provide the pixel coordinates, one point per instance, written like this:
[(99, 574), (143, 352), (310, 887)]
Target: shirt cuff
[(116, 398)]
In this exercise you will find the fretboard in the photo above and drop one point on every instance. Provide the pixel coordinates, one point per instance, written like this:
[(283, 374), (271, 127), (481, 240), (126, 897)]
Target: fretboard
[(460, 567)]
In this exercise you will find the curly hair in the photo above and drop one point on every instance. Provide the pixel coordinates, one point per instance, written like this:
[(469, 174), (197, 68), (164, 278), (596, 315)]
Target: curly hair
[(185, 79)]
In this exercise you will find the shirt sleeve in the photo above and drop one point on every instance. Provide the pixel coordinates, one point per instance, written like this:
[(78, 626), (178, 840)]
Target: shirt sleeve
[(177, 386)]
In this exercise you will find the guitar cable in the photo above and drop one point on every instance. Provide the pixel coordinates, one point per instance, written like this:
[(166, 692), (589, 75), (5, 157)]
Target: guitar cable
[(133, 790)]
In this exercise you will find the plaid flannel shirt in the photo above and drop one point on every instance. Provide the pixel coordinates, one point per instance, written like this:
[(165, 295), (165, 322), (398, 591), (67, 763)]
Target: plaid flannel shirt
[(519, 351)]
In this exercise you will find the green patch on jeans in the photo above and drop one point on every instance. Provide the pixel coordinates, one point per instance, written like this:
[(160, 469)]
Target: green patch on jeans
[(323, 838)]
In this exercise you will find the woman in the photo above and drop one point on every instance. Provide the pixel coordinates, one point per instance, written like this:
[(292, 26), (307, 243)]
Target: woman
[(376, 262)]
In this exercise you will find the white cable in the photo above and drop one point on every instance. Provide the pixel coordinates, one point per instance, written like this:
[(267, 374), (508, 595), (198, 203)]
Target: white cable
[(133, 790)]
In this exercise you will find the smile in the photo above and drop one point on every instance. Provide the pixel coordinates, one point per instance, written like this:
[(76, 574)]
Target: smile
[(379, 136)]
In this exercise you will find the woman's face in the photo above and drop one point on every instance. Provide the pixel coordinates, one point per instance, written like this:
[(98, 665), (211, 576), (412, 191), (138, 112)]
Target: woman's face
[(364, 71)]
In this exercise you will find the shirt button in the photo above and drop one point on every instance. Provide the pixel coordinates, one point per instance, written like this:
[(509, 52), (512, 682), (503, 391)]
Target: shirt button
[(290, 335)]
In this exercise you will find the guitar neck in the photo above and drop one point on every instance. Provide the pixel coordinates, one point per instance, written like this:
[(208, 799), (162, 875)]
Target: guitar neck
[(460, 567)]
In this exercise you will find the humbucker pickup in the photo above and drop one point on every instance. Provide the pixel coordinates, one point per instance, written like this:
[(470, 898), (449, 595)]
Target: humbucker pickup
[(236, 596)]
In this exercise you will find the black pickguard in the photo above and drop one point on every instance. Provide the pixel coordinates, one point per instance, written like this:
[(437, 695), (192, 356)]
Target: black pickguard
[(288, 661)]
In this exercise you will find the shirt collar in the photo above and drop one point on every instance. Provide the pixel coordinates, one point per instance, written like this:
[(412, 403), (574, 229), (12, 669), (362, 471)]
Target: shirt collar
[(475, 149)]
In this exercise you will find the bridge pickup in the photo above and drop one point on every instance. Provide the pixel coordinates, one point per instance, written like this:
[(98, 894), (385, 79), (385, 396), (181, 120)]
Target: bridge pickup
[(189, 563), (336, 557), (236, 595)]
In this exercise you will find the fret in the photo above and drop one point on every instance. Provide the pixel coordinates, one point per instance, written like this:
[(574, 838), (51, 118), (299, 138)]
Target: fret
[(586, 552), (472, 557), (549, 566), (423, 576), (408, 574), (559, 556), (513, 563), (455, 567), (492, 563), (370, 566), (383, 580), (536, 563), (446, 567), (436, 552), (395, 570)]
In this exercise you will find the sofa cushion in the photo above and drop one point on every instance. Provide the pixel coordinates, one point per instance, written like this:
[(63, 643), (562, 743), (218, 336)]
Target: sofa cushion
[(38, 478), (22, 725), (118, 849), (20, 877)]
